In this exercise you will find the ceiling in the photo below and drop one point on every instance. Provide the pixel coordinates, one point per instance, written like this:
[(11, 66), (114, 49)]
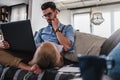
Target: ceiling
[(65, 4), (12, 2)]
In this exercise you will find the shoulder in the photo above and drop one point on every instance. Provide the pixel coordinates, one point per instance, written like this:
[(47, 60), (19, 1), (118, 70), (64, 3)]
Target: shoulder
[(69, 26), (40, 30), (66, 26)]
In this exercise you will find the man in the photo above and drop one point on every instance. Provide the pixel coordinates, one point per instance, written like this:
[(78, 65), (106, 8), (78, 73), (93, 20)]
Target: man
[(51, 41), (59, 38)]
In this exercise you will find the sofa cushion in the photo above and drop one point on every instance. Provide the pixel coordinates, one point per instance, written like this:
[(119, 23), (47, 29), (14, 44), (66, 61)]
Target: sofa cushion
[(110, 43), (85, 44), (11, 73)]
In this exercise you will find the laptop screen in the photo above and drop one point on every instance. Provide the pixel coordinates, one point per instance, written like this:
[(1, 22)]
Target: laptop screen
[(19, 35)]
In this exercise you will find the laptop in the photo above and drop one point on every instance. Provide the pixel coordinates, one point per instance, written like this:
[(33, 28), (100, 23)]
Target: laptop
[(19, 35)]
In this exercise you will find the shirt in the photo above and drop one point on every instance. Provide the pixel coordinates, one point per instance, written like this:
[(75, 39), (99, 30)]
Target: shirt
[(48, 34)]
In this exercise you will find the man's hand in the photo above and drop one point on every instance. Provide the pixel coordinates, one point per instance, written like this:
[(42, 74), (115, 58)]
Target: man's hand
[(4, 45), (55, 22)]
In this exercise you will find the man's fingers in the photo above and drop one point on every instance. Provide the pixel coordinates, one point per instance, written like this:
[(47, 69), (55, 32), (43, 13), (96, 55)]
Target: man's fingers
[(5, 45)]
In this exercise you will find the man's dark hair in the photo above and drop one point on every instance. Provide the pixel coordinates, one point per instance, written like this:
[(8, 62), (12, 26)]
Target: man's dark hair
[(49, 5)]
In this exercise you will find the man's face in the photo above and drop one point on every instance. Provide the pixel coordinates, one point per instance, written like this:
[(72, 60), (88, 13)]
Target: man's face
[(49, 15)]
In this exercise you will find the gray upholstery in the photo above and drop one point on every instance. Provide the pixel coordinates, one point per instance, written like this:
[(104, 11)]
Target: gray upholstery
[(85, 44), (110, 43)]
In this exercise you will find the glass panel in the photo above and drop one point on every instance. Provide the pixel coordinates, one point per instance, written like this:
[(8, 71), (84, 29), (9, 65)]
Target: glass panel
[(82, 22), (116, 20), (18, 13)]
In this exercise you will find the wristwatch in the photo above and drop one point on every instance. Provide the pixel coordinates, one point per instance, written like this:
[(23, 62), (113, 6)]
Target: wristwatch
[(57, 30)]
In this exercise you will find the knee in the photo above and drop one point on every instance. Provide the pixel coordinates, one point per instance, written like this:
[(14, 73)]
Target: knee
[(47, 44), (46, 55), (48, 47)]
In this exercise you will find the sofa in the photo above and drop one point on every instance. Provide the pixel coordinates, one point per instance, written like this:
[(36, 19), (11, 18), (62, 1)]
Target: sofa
[(85, 44)]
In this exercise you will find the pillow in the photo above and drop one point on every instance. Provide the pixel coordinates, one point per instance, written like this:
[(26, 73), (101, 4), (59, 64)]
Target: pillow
[(85, 44), (115, 71)]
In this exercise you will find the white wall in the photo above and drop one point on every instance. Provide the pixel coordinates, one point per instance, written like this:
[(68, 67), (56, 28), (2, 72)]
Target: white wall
[(65, 16), (36, 17)]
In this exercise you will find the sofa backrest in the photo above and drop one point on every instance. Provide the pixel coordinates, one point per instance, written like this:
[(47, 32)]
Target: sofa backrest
[(110, 43)]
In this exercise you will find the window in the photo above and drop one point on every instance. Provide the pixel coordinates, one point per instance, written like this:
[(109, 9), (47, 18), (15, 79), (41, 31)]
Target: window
[(82, 22), (19, 12), (111, 23), (116, 20)]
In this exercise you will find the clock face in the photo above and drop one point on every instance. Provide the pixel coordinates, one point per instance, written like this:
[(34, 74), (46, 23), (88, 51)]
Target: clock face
[(97, 18)]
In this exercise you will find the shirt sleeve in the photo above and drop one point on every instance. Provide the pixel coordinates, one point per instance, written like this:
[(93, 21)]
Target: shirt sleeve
[(37, 38), (69, 33)]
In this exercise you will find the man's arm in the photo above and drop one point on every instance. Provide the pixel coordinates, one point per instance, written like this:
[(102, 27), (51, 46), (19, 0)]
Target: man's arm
[(63, 40), (38, 40)]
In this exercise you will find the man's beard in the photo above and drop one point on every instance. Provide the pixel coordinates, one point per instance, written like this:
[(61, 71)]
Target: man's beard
[(50, 22)]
